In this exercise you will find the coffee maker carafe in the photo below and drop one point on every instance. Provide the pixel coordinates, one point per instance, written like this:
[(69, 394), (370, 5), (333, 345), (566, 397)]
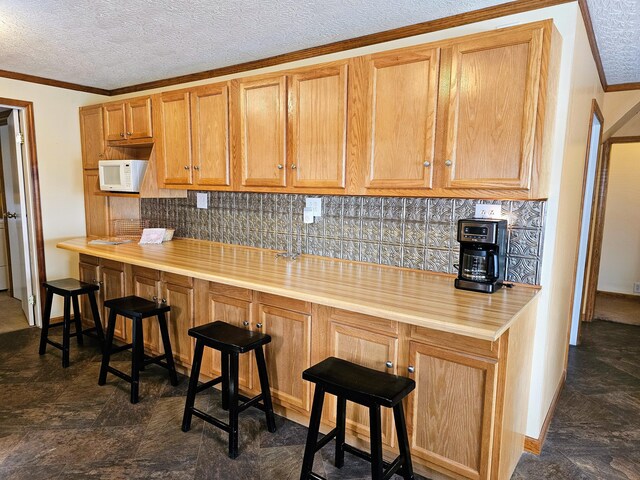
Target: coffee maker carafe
[(483, 245)]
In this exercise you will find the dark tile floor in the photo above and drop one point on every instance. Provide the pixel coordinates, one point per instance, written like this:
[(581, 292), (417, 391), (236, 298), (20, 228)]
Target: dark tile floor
[(58, 424)]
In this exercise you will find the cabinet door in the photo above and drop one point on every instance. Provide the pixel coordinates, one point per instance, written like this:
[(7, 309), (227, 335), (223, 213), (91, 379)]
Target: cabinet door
[(450, 412), (92, 136), (96, 207), (146, 284), (114, 122), (89, 273), (401, 118), (210, 135), (493, 104), (175, 138), (369, 349), (236, 312), (178, 292), (139, 124), (113, 286), (318, 127), (263, 116), (287, 356)]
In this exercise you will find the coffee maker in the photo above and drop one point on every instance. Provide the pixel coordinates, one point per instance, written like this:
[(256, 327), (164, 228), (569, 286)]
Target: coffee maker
[(483, 248)]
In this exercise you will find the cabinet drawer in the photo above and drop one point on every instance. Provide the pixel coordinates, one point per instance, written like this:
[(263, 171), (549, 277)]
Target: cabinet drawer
[(145, 272), (89, 259), (453, 341), (176, 279), (374, 324), (284, 302), (230, 291)]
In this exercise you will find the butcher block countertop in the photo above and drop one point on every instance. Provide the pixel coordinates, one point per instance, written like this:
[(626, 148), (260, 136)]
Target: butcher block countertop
[(410, 296)]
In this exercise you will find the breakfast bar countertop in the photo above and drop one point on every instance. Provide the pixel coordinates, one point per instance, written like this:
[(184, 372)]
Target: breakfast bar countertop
[(420, 298)]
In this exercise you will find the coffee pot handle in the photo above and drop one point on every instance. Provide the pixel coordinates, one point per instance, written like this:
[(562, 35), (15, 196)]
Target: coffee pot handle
[(492, 267)]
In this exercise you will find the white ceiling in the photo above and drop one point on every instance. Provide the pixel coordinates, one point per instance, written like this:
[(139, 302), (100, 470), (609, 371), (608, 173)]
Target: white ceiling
[(110, 44)]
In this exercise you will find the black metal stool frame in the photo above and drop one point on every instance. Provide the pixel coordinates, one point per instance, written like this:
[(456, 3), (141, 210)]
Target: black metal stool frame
[(230, 396), (69, 296), (138, 358)]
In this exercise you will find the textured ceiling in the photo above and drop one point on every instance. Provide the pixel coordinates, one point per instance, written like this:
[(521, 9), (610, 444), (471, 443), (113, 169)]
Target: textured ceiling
[(111, 44)]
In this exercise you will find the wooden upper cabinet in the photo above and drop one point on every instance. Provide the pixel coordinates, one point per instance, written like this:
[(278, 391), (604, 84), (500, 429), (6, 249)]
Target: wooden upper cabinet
[(493, 108), (318, 126), (210, 135), (96, 207), (92, 136), (401, 118), (262, 135), (174, 139), (128, 121)]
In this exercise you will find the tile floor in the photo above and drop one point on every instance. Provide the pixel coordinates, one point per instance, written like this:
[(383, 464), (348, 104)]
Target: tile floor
[(59, 424)]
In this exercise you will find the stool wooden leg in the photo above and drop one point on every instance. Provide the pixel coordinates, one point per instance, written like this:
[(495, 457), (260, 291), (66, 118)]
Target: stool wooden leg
[(224, 372), (233, 405), (66, 331), (375, 435), (77, 320), (166, 343), (403, 442), (193, 386), (96, 316), (106, 352), (341, 413), (135, 358), (266, 392), (46, 319), (312, 434), (140, 349)]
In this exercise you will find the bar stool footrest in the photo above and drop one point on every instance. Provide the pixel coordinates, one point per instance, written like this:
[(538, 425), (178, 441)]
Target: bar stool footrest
[(208, 418), (55, 344), (326, 439), (390, 468), (250, 402), (122, 348), (119, 374), (208, 384)]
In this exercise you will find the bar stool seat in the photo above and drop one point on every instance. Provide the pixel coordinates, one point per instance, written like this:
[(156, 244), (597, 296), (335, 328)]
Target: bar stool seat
[(231, 341), (136, 309), (367, 387), (70, 289)]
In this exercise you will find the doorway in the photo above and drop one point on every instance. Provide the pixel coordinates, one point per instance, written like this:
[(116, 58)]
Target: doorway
[(21, 232)]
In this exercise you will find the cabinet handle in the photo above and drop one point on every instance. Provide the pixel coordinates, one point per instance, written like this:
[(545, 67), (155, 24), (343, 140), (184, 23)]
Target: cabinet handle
[(259, 325), (280, 167), (427, 164), (245, 323), (164, 300), (293, 166), (186, 167), (129, 133), (411, 368), (196, 168), (448, 163), (101, 283), (122, 134), (155, 299), (389, 364)]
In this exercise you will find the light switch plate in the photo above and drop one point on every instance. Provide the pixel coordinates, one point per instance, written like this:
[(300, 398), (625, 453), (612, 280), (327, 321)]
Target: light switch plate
[(308, 215), (315, 204), (488, 210), (202, 200)]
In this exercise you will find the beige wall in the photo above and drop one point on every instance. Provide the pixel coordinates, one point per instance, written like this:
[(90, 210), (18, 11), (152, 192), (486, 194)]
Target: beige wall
[(618, 109), (620, 261), (57, 132)]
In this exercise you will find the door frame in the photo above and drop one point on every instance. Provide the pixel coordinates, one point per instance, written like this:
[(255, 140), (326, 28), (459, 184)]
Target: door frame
[(3, 210), (597, 226), (29, 132)]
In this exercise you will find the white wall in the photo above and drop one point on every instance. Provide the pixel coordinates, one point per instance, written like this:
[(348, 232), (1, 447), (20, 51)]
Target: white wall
[(57, 130), (620, 261)]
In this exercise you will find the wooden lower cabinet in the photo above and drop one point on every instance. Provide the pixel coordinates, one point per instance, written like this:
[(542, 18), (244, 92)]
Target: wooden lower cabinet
[(178, 291), (145, 283)]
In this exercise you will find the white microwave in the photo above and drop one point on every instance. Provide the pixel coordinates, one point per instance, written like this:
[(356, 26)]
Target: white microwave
[(121, 175)]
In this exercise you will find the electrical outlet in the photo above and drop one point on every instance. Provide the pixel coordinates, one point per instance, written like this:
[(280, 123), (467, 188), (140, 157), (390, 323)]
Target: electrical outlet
[(488, 210), (201, 200), (636, 287), (315, 204)]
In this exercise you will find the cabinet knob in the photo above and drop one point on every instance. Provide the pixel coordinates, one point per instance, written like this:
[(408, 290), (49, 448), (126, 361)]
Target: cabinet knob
[(293, 166), (245, 323), (389, 364), (129, 133), (196, 168), (186, 167), (122, 134), (411, 368), (164, 300), (427, 164), (280, 167), (259, 325), (155, 299), (101, 155), (101, 283), (448, 163)]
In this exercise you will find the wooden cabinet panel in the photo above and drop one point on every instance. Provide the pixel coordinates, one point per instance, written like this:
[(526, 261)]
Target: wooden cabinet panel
[(262, 123), (92, 136), (146, 284), (451, 410), (89, 273), (112, 285), (490, 138), (180, 319), (114, 121), (175, 138), (96, 207), (318, 127), (139, 124), (401, 118), (287, 356), (210, 135)]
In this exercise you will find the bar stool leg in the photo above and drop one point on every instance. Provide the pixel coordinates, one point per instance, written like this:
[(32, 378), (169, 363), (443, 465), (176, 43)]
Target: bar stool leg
[(266, 392), (233, 405), (66, 331), (193, 386), (96, 316), (46, 319), (135, 358), (140, 349), (312, 434), (166, 342), (77, 320), (375, 435), (224, 372), (106, 353), (403, 442), (341, 413)]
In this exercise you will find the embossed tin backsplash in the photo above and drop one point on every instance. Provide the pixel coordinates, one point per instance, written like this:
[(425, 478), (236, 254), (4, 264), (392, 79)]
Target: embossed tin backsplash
[(406, 232)]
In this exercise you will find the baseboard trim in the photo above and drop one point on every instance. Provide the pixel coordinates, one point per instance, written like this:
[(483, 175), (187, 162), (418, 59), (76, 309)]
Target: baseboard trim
[(627, 296), (534, 445)]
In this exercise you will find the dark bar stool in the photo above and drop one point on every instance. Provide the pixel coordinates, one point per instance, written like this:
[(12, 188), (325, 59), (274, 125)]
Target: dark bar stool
[(367, 387), (230, 341), (136, 309), (69, 289)]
